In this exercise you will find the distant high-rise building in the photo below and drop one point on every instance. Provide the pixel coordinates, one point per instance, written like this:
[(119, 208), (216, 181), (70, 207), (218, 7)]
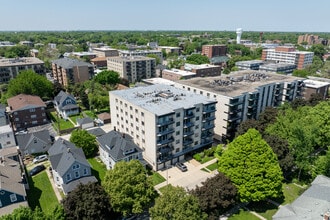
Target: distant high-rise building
[(214, 50), (239, 32), (288, 55)]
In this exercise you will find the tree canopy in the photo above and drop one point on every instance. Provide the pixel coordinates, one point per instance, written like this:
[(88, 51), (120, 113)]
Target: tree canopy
[(26, 213), (30, 83), (253, 167), (81, 138), (176, 203), (107, 77), (197, 59), (216, 194), (88, 201), (129, 188)]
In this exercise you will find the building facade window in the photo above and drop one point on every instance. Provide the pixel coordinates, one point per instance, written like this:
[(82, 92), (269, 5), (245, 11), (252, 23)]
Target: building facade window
[(13, 197)]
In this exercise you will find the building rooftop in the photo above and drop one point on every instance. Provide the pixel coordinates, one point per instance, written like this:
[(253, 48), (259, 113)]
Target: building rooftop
[(22, 101), (249, 62), (238, 82), (138, 51), (130, 58), (277, 65), (68, 63), (161, 99), (189, 66), (104, 49), (158, 81), (180, 72), (315, 84), (20, 61)]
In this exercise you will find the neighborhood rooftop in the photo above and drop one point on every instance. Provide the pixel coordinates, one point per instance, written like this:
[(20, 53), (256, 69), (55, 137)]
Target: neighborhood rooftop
[(68, 63), (20, 61), (238, 82), (161, 99)]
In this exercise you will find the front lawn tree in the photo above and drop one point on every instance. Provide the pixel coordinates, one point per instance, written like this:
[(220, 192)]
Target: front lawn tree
[(30, 83), (130, 190), (107, 77), (81, 138), (216, 194), (176, 203), (252, 166), (88, 201), (197, 59)]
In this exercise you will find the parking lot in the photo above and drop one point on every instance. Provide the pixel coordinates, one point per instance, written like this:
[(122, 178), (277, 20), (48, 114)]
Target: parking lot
[(189, 179)]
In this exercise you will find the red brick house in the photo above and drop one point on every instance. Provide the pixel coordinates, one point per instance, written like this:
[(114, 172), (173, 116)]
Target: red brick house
[(26, 111)]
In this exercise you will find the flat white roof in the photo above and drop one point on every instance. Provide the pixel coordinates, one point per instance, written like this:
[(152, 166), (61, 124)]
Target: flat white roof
[(159, 81), (180, 72), (315, 84)]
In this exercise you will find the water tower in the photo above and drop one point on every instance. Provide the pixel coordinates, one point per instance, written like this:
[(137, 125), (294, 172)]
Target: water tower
[(239, 32)]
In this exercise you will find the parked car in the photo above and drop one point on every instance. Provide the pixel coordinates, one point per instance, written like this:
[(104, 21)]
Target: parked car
[(37, 169), (40, 158), (181, 166)]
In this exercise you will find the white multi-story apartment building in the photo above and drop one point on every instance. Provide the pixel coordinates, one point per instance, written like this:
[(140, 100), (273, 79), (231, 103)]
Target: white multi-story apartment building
[(166, 122), (289, 55), (243, 95), (133, 68), (126, 53)]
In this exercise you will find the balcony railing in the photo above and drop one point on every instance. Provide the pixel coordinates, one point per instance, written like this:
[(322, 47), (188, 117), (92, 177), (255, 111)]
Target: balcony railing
[(189, 115), (209, 110), (166, 141), (207, 127), (187, 133), (188, 124), (166, 122), (165, 132)]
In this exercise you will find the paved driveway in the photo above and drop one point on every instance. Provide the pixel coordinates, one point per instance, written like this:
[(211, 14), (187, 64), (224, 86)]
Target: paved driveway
[(189, 179)]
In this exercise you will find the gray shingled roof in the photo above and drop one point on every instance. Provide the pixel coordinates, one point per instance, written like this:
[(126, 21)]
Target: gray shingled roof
[(73, 184), (61, 97), (313, 203), (68, 63), (96, 131), (116, 145), (24, 140), (63, 154), (86, 120)]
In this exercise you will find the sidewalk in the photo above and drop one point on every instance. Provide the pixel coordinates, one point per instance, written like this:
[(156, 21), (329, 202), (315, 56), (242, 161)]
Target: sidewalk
[(176, 177), (55, 189)]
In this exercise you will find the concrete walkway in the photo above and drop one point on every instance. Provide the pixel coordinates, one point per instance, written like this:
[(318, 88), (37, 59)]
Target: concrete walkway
[(188, 180), (55, 189)]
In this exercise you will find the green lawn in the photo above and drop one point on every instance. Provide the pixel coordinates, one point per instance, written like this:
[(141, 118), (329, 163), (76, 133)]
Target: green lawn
[(98, 168), (157, 178), (63, 123), (75, 117), (41, 193), (213, 166), (265, 209), (291, 192), (90, 114), (243, 215)]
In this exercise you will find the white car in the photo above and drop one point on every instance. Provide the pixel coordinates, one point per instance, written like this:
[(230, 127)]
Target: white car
[(40, 158)]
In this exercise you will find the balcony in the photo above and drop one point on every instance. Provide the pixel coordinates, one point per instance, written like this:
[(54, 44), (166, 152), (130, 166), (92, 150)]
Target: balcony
[(188, 124), (208, 126), (165, 122), (166, 141), (189, 115), (206, 134), (165, 150), (165, 132), (187, 141), (211, 118), (187, 133), (207, 141), (209, 110)]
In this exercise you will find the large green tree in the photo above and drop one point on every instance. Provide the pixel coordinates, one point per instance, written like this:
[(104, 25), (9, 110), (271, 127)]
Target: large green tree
[(216, 194), (107, 77), (197, 59), (88, 201), (253, 167), (31, 83), (176, 203), (129, 188), (81, 138)]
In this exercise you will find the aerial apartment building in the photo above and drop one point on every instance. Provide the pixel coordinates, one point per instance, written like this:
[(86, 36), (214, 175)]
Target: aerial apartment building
[(133, 68), (68, 71), (214, 50), (10, 67), (289, 55), (202, 69), (105, 52), (125, 53), (243, 95), (266, 66), (166, 122), (175, 74)]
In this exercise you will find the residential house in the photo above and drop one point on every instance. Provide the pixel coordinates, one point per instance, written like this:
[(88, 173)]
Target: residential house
[(12, 188), (69, 165), (85, 123), (26, 111), (115, 146), (37, 142), (313, 204), (7, 137), (96, 131), (66, 105)]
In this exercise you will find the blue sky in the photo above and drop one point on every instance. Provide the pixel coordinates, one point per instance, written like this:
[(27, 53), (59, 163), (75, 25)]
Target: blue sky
[(215, 15)]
